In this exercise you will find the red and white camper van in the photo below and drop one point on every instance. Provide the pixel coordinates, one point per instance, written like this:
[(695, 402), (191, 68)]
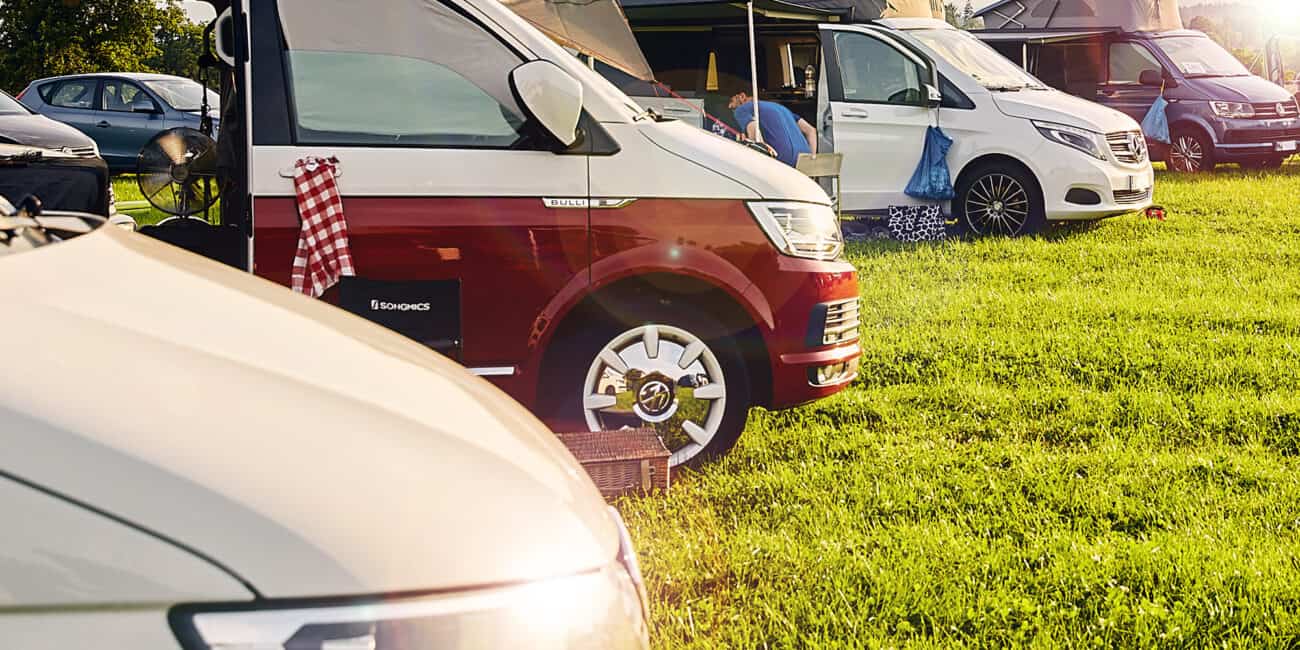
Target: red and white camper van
[(511, 208)]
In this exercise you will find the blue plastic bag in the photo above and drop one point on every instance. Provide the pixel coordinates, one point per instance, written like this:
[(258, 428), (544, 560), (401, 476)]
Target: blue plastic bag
[(932, 180), (1156, 124)]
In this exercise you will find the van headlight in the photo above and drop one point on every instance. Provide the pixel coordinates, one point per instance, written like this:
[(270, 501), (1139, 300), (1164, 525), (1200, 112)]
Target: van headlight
[(1233, 110), (595, 610), (1089, 142), (803, 230)]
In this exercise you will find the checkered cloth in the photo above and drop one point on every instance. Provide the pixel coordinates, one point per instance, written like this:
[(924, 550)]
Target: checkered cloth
[(323, 254)]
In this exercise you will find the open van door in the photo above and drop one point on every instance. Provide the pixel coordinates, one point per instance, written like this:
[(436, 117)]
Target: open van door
[(881, 101)]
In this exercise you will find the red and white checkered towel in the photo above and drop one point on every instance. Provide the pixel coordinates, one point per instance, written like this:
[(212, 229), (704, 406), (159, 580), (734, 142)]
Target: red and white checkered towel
[(323, 254)]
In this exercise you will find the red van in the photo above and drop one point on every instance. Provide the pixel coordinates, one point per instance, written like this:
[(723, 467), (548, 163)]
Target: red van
[(510, 208)]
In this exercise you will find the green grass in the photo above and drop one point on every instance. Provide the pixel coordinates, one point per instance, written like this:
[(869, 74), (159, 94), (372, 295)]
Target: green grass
[(1086, 439), (131, 201)]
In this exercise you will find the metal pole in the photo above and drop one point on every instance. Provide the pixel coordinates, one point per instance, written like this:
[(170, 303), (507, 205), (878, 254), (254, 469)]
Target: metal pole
[(753, 72)]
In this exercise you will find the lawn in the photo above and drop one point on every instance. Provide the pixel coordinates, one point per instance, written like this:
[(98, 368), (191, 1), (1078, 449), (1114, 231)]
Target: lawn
[(1086, 439)]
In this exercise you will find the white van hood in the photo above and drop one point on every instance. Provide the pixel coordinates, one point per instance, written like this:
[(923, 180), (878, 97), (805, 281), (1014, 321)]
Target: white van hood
[(1062, 108), (767, 177), (306, 450)]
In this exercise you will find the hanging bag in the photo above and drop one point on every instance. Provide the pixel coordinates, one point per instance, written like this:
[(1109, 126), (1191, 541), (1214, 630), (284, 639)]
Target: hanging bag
[(1156, 124)]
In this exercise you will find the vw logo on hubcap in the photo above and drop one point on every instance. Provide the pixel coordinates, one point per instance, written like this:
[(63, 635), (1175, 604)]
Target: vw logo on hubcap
[(655, 401)]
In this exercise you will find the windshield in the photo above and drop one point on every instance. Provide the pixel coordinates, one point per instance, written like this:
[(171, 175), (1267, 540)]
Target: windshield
[(1198, 56), (182, 94), (10, 106), (972, 56)]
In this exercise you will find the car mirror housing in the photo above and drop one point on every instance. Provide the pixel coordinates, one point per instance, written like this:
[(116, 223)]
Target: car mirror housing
[(934, 98), (550, 96), (1155, 78)]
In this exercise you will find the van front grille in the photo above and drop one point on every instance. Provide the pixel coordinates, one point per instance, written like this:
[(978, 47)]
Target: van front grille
[(1129, 197), (1261, 136), (841, 324), (1274, 110), (1129, 147)]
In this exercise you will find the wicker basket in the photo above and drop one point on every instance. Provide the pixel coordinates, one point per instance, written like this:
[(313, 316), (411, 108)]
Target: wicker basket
[(629, 461)]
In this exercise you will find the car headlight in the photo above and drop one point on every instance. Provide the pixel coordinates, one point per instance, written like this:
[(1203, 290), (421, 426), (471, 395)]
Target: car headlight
[(1233, 110), (1074, 137), (803, 230), (593, 610)]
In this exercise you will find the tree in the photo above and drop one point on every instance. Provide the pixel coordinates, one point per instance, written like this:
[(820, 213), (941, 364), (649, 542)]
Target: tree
[(179, 41), (968, 15), (952, 14), (42, 38)]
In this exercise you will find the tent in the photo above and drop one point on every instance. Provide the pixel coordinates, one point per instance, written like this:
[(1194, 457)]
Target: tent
[(1122, 15), (596, 28)]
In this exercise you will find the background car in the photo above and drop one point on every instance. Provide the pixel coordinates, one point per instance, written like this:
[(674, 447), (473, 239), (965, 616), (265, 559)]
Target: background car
[(61, 180), (120, 111), (20, 125), (265, 470)]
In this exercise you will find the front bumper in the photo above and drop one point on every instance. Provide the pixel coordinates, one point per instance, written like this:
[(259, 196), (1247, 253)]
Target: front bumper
[(800, 292), (1093, 189), (1236, 140)]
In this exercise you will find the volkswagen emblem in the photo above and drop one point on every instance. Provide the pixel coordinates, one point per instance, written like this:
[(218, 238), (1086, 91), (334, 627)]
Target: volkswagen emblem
[(654, 397)]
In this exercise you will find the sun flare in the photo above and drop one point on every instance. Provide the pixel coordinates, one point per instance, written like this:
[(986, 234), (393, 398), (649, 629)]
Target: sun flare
[(1282, 11)]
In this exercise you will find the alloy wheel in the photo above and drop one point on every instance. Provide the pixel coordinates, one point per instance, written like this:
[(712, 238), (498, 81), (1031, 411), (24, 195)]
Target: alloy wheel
[(662, 377), (1187, 154), (997, 204)]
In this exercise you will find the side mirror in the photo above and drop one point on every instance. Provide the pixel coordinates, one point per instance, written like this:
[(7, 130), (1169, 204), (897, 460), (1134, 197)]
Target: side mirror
[(223, 37), (1154, 78), (148, 109), (551, 96), (933, 98)]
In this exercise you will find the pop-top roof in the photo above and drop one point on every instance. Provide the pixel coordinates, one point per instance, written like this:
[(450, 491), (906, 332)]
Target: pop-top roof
[(1126, 15)]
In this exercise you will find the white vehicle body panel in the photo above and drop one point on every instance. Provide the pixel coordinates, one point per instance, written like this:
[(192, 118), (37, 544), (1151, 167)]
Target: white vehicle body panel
[(309, 451)]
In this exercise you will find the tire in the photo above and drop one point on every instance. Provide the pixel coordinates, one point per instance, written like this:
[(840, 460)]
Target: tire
[(1191, 152), (1264, 162), (1000, 199), (695, 428)]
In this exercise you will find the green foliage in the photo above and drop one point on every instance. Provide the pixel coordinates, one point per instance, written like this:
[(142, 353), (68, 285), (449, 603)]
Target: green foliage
[(41, 38), (1086, 439)]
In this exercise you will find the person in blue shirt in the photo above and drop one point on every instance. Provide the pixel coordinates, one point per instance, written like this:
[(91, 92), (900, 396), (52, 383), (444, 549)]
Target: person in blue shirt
[(788, 134)]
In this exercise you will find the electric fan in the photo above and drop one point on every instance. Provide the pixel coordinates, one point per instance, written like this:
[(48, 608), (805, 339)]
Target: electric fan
[(178, 172)]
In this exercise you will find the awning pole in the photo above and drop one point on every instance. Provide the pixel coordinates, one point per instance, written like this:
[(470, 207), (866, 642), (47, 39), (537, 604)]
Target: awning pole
[(753, 72)]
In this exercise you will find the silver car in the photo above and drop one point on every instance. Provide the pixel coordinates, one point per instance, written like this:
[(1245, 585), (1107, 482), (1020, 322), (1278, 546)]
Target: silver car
[(197, 458)]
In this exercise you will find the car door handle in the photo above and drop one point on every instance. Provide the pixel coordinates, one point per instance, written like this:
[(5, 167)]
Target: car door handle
[(858, 113), (104, 124)]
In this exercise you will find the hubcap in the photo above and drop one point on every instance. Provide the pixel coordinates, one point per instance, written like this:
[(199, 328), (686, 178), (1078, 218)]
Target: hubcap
[(1187, 154), (661, 377), (997, 204)]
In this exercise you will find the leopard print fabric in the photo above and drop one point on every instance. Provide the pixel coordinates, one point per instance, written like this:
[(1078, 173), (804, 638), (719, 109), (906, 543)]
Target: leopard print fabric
[(916, 223)]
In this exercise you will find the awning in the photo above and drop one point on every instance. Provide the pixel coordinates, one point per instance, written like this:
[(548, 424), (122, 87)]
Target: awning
[(596, 28), (1128, 15), (655, 12), (1040, 35)]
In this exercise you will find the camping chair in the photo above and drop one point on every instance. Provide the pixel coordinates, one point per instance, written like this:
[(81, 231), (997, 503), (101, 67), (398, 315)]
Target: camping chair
[(823, 165)]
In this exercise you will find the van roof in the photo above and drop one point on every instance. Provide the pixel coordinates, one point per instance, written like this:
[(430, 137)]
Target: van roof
[(907, 24)]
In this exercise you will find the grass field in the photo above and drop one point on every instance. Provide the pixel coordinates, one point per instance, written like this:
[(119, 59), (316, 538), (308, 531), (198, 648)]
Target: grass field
[(1088, 439)]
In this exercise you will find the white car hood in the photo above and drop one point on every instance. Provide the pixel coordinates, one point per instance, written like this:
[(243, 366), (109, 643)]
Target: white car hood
[(1062, 108), (767, 177), (305, 450)]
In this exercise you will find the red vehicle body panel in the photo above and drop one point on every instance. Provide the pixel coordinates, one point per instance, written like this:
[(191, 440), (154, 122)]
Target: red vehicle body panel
[(524, 267)]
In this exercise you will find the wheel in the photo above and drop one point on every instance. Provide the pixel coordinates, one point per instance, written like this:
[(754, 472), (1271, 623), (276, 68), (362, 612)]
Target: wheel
[(1191, 152), (1264, 162), (678, 373), (1000, 199)]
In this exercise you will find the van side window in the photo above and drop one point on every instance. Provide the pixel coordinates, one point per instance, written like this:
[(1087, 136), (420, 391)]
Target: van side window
[(78, 93), (1128, 60), (440, 81), (872, 71)]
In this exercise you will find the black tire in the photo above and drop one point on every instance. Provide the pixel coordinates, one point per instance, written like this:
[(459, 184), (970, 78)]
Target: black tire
[(570, 360), (1000, 199), (1191, 152)]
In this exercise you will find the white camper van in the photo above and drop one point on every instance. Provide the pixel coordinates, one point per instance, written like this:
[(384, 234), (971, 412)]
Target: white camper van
[(1024, 154)]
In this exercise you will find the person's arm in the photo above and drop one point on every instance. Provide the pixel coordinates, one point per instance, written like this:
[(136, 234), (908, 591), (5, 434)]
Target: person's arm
[(751, 130), (810, 134)]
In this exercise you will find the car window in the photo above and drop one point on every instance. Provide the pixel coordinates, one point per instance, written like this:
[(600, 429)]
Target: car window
[(78, 93), (872, 71), (124, 96), (1128, 60), (452, 91)]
